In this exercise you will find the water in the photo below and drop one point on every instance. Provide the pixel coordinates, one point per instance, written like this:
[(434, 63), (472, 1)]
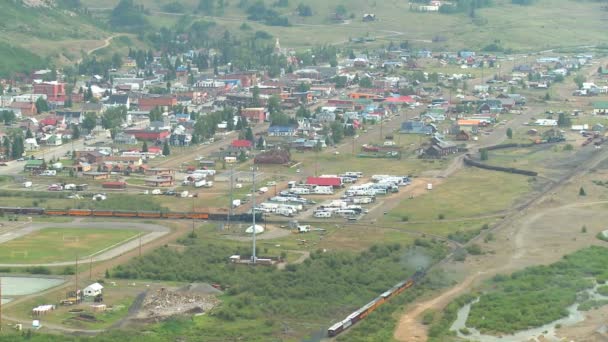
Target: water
[(6, 300), (20, 286), (547, 330)]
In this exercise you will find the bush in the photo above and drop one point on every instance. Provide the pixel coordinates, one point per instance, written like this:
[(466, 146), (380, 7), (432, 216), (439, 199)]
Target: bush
[(428, 317), (68, 270), (474, 249), (460, 255), (38, 270), (405, 218), (440, 216)]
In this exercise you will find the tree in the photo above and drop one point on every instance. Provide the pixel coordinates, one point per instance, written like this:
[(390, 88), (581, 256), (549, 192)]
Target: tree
[(90, 121), (156, 114), (144, 147), (166, 149), (8, 116), (261, 143), (28, 134), (249, 135), (114, 117), (304, 10), (579, 79), (365, 82), (255, 97), (341, 11), (242, 156), (75, 132), (483, 154), (337, 131), (581, 192), (563, 120), (41, 105), (17, 147), (302, 112), (509, 133)]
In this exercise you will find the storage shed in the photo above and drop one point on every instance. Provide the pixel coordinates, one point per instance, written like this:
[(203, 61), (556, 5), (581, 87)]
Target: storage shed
[(93, 290)]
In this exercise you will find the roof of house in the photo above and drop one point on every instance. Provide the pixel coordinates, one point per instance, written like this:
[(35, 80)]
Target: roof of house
[(324, 181), (400, 99), (241, 143), (118, 99), (94, 287), (600, 105), (469, 122)]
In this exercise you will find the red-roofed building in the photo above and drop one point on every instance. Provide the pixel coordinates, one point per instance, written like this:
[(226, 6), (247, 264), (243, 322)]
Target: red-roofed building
[(325, 181), (149, 103), (25, 108), (50, 121), (399, 100), (241, 144), (254, 114), (54, 91), (143, 134)]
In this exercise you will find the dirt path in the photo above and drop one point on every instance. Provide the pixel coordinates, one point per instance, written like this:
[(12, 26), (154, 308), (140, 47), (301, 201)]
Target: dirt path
[(410, 329)]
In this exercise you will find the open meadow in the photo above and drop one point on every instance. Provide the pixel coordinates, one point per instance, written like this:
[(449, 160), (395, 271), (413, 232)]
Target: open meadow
[(61, 244)]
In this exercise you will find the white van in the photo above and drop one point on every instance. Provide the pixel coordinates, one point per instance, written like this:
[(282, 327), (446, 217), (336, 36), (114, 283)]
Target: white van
[(48, 173), (27, 184)]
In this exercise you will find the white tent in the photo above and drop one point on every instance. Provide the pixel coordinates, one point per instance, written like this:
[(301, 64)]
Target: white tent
[(93, 290), (258, 229)]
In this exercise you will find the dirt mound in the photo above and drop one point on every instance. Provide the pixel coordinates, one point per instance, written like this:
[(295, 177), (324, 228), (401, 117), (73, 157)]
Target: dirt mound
[(164, 303), (200, 289)]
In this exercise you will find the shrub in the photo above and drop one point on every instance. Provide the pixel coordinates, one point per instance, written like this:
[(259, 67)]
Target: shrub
[(474, 249), (428, 317), (441, 216)]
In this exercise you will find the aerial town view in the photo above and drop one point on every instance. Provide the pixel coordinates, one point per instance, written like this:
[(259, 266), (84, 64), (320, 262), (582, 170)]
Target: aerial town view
[(304, 170)]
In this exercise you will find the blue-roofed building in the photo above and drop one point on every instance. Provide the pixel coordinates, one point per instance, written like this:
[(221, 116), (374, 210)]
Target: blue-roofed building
[(417, 127), (466, 54), (282, 131)]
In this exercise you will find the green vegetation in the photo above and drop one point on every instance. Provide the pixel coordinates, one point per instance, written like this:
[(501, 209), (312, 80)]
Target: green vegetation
[(469, 193), (316, 291), (15, 59), (537, 295), (440, 330), (60, 244)]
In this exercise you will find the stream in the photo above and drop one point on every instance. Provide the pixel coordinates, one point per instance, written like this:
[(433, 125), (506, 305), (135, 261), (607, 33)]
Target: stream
[(547, 331)]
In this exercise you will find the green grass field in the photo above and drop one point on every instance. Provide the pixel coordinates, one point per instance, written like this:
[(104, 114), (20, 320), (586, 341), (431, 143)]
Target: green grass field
[(59, 244), (468, 194)]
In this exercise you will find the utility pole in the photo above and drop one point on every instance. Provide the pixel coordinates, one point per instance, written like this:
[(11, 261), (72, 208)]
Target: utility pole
[(230, 205), (0, 304), (253, 258), (91, 268), (76, 292), (140, 234)]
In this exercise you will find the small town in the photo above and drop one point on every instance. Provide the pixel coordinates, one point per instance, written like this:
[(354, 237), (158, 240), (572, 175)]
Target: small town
[(294, 171)]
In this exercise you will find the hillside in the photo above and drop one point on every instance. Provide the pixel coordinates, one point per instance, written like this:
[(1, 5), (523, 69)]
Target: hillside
[(542, 25), (30, 35)]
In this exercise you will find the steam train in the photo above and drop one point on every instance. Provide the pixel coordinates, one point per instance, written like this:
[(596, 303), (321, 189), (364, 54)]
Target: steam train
[(128, 214), (368, 308)]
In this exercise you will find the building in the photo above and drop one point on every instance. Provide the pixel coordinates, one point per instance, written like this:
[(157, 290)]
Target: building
[(440, 148), (114, 185), (417, 127), (93, 290), (91, 157), (282, 131), (600, 107), (54, 91), (148, 134), (160, 172), (25, 108), (96, 175), (254, 115), (34, 164), (335, 182), (149, 103), (163, 181), (241, 145), (30, 145), (125, 139)]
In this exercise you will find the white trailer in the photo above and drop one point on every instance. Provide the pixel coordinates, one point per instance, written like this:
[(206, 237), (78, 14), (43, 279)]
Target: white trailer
[(263, 190), (300, 191), (200, 183), (323, 214), (236, 203), (363, 200), (284, 212), (323, 190)]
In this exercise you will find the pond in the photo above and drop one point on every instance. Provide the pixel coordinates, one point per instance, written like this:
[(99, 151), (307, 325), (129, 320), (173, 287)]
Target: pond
[(20, 286)]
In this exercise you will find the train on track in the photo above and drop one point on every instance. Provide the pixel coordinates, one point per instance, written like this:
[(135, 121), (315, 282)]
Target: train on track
[(129, 214), (370, 307)]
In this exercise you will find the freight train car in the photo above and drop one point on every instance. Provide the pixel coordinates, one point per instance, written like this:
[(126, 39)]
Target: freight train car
[(370, 307), (128, 214)]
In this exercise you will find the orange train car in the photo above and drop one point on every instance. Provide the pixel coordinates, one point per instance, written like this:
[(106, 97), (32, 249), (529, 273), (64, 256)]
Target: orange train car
[(149, 214), (103, 213), (174, 216), (56, 212), (197, 216), (125, 214), (79, 212)]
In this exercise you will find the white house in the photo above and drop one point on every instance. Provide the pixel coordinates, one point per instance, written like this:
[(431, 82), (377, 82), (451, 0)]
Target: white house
[(30, 145), (93, 290), (546, 122)]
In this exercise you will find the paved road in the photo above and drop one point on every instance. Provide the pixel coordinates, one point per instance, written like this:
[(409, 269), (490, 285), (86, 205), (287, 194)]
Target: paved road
[(151, 231)]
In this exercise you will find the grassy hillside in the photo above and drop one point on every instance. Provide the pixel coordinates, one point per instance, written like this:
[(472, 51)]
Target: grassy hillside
[(545, 24), (15, 59), (38, 33)]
